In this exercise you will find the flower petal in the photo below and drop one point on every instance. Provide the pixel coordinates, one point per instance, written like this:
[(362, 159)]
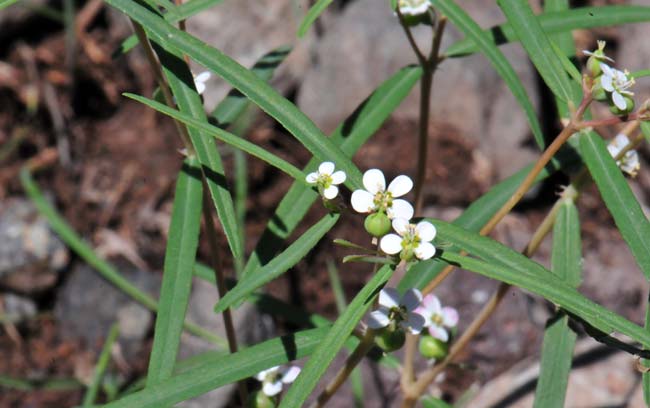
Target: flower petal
[(362, 201), (606, 69), (389, 297), (400, 209), (426, 231), (606, 82), (290, 374), (415, 323), (439, 333), (449, 316), (432, 304), (338, 177), (312, 178), (203, 76), (378, 319), (374, 181), (425, 251), (618, 100), (326, 168), (400, 186), (262, 374), (200, 87), (400, 225), (272, 388), (411, 299), (331, 192), (391, 244)]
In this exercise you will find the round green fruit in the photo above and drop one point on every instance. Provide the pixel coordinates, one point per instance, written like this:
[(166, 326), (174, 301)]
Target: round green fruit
[(377, 224), (433, 348), (629, 107), (260, 400), (597, 91), (390, 340)]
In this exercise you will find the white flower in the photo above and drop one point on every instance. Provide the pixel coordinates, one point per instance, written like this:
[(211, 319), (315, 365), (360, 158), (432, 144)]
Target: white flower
[(617, 82), (200, 80), (413, 7), (599, 54), (412, 239), (436, 317), (629, 163), (398, 310), (327, 179), (273, 378), (376, 197)]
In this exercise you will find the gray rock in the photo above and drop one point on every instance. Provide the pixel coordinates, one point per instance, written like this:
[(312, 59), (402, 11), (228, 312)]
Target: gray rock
[(268, 24), (17, 308), (88, 305), (366, 45), (31, 255)]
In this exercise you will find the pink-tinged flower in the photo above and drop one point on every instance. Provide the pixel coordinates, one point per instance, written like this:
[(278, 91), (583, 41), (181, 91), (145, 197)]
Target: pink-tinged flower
[(393, 308), (437, 318)]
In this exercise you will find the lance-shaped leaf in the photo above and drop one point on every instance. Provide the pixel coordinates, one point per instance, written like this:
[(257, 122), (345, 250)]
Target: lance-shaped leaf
[(313, 13), (177, 272)]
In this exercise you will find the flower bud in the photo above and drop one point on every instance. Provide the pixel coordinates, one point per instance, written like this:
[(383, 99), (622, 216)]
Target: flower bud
[(629, 106), (593, 65), (260, 400), (433, 348), (377, 224), (390, 338)]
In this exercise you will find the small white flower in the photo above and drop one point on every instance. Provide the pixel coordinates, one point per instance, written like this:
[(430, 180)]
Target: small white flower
[(392, 308), (200, 80), (599, 53), (413, 7), (617, 82), (327, 179), (376, 197), (412, 239), (436, 317), (273, 378), (629, 163)]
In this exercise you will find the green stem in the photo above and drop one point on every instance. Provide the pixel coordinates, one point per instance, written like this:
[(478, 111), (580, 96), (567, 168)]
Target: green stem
[(100, 369)]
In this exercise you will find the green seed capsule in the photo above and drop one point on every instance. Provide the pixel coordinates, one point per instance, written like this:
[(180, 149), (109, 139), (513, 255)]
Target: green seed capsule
[(260, 400), (377, 224), (593, 66), (389, 339), (433, 348), (629, 107), (597, 91)]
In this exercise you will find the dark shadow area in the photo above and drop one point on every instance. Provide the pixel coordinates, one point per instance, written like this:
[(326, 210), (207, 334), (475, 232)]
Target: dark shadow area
[(290, 347)]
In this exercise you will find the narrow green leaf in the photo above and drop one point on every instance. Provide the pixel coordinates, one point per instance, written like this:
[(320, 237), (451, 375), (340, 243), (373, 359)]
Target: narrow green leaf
[(100, 368), (191, 8), (645, 129), (280, 264), (557, 350), (230, 368), (235, 103), (313, 13), (646, 362), (501, 65), (177, 273), (350, 136), (538, 47), (558, 22), (556, 291), (258, 91), (332, 343), (641, 73), (6, 3), (618, 197), (189, 103), (563, 40), (559, 339), (85, 252), (224, 136), (433, 402)]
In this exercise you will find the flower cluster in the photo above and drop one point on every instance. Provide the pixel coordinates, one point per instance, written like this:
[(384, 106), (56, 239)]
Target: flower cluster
[(610, 83), (629, 163)]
